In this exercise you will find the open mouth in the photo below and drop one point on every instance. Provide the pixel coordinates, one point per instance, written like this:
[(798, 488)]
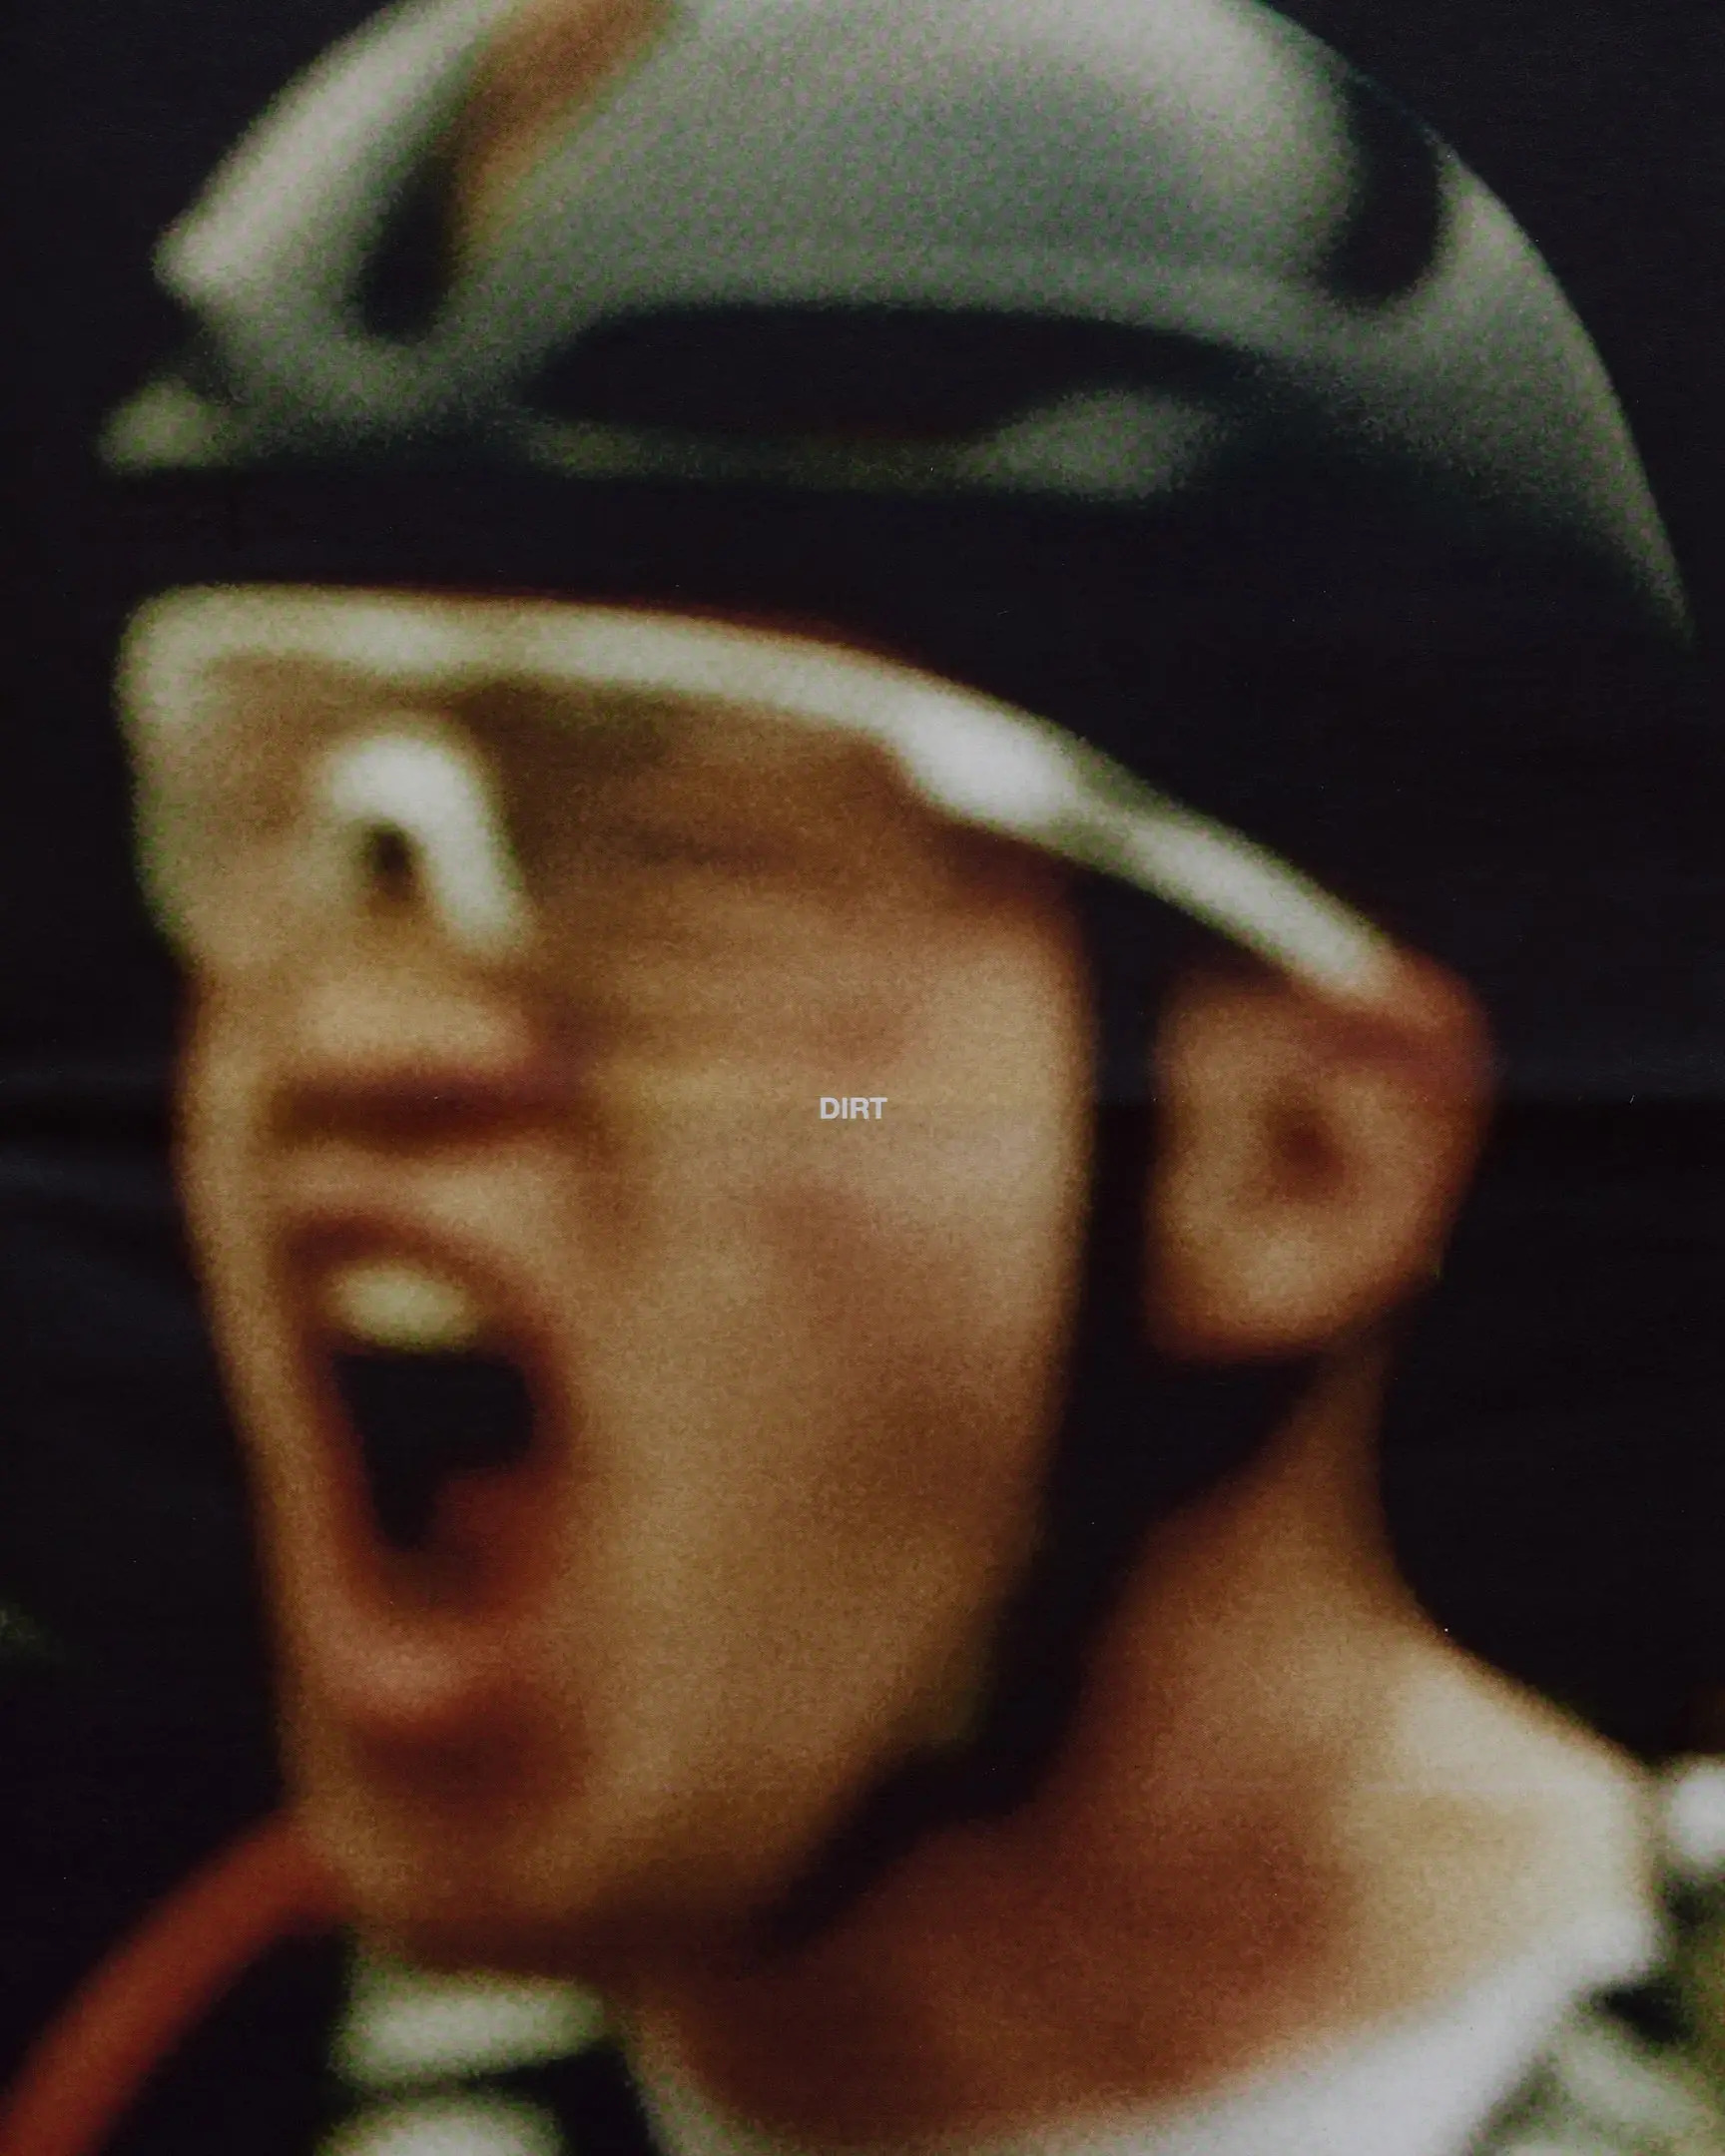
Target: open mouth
[(426, 1425), (440, 1420)]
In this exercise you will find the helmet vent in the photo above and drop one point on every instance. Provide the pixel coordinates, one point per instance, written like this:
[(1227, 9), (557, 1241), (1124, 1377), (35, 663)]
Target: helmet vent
[(880, 375), (1391, 240), (407, 274)]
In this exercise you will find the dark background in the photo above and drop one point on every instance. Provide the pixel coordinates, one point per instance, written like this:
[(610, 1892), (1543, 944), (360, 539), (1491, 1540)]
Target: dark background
[(133, 1728)]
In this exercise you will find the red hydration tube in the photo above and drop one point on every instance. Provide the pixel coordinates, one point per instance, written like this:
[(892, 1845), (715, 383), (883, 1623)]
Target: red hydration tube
[(138, 2005)]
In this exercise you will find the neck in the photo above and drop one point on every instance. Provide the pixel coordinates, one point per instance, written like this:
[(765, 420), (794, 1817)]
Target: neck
[(1248, 1846)]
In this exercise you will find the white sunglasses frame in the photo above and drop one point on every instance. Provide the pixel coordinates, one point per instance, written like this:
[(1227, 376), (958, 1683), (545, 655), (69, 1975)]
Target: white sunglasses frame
[(973, 758)]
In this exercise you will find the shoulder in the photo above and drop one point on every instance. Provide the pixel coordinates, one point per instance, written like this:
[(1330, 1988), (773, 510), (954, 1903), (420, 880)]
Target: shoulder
[(1639, 2069)]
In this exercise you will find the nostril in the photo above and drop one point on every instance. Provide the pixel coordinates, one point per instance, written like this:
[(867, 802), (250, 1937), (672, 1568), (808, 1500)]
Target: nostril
[(390, 866)]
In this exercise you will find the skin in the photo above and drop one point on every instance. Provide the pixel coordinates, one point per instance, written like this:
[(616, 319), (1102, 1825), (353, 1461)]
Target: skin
[(788, 1387), (803, 1380)]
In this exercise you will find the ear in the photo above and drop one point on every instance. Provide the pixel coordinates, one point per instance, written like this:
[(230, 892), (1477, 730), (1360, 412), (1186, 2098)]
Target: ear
[(1312, 1156)]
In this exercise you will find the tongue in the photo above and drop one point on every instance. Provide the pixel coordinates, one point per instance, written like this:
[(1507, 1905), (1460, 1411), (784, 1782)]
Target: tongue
[(424, 1420)]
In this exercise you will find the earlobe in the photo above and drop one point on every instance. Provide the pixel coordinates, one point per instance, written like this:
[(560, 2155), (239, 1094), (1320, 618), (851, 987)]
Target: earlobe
[(1311, 1157)]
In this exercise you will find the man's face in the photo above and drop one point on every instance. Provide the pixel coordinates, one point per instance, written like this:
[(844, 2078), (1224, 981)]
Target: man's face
[(793, 1378)]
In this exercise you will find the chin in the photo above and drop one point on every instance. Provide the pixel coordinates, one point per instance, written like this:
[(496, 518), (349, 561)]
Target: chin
[(453, 1941), (544, 1894), (602, 1946), (443, 1912)]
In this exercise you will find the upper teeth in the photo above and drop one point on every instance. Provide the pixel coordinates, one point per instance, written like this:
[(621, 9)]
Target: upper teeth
[(393, 1302)]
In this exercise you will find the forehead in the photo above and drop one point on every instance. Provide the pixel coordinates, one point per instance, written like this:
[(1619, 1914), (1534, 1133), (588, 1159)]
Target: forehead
[(568, 742)]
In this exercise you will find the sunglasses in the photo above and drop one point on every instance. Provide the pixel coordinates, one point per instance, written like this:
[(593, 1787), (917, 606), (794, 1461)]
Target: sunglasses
[(524, 764)]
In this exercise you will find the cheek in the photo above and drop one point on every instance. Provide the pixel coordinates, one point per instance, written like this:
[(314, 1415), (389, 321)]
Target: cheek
[(902, 1284), (974, 1181), (219, 1166), (215, 1096), (822, 1363)]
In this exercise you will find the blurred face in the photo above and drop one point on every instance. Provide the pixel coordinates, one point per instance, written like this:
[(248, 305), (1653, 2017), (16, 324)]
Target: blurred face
[(642, 1454)]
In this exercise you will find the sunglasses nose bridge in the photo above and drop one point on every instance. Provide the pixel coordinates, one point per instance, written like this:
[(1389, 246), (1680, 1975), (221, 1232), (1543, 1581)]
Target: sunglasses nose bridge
[(407, 811)]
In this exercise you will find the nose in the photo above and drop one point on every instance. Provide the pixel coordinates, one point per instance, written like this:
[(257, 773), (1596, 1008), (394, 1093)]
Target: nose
[(408, 1007), (388, 1034)]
